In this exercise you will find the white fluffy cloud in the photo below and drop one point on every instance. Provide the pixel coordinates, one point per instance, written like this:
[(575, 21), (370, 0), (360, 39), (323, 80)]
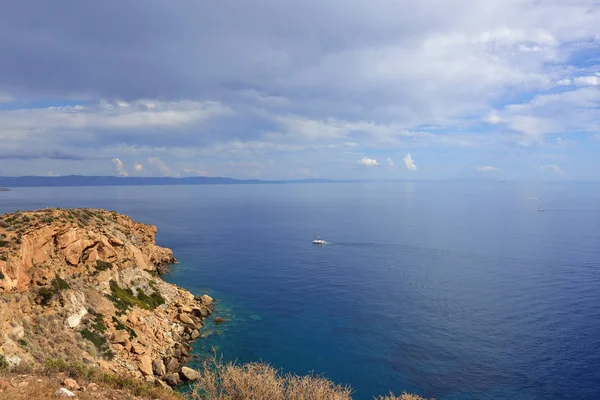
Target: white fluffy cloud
[(162, 166), (368, 162), (486, 168), (552, 168), (138, 168), (590, 80), (409, 162), (119, 167)]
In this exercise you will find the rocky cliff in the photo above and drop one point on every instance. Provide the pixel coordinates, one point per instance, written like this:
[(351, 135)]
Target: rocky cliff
[(83, 285)]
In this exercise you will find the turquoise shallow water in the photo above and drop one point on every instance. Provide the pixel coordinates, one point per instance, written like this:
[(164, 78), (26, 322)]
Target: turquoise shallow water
[(453, 290)]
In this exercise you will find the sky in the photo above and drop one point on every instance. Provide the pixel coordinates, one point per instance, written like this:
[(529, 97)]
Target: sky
[(278, 89)]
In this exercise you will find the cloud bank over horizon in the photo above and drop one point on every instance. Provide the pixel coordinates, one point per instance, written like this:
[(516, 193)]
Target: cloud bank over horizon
[(279, 89)]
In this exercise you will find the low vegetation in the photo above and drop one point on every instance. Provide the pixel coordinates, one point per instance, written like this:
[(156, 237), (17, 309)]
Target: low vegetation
[(124, 299), (46, 294), (218, 381), (120, 326), (99, 342), (228, 381), (103, 265)]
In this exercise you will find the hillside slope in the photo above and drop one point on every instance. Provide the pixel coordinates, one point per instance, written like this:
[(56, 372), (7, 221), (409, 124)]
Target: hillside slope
[(83, 284)]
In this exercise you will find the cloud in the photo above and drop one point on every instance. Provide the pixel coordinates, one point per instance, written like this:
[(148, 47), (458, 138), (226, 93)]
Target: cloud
[(119, 167), (291, 85), (163, 168), (195, 172), (409, 162), (485, 168), (591, 80), (50, 155), (575, 110), (552, 168), (138, 168), (301, 173), (368, 162)]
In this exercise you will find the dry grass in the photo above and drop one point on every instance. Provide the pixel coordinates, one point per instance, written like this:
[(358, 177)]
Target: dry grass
[(403, 396), (41, 383), (219, 381)]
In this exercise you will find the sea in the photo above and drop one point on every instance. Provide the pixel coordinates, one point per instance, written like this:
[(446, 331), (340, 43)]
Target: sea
[(446, 289)]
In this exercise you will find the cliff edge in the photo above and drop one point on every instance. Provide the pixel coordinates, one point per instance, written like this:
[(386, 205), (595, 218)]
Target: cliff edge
[(84, 285)]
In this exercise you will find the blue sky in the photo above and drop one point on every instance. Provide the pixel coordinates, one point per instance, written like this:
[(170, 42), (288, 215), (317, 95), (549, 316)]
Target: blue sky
[(275, 89)]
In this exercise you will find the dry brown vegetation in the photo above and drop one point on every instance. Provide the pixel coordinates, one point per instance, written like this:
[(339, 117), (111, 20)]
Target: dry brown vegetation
[(227, 381), (218, 381)]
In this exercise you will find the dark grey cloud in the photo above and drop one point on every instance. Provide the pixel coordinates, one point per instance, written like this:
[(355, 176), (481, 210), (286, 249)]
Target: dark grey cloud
[(50, 155), (219, 85), (378, 58)]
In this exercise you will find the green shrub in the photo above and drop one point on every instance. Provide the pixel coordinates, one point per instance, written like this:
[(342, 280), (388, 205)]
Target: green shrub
[(1, 275), (103, 265), (22, 342), (47, 293), (152, 272), (59, 284), (98, 323), (3, 243), (124, 299), (99, 342), (3, 362), (121, 326)]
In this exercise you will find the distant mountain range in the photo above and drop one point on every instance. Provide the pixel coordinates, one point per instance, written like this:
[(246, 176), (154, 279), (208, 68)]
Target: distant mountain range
[(79, 180)]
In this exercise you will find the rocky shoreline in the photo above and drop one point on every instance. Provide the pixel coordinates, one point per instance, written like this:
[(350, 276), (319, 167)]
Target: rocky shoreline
[(84, 285)]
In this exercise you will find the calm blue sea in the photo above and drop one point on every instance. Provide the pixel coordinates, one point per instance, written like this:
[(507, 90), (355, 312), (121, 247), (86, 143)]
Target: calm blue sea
[(454, 290)]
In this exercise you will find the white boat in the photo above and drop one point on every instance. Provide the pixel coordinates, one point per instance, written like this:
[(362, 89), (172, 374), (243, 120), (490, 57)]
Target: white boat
[(319, 241)]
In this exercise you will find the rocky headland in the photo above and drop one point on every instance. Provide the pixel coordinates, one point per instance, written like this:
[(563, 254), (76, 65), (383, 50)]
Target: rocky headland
[(84, 285)]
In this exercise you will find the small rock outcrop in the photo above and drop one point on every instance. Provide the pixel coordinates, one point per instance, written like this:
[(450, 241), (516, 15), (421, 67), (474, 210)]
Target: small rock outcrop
[(189, 374), (84, 284)]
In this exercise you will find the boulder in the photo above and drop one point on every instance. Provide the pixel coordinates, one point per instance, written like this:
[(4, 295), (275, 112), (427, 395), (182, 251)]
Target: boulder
[(137, 348), (219, 320), (158, 367), (75, 319), (145, 365), (195, 334), (206, 300), (189, 374), (172, 365), (172, 379), (120, 336), (71, 384), (62, 392), (200, 312), (186, 319)]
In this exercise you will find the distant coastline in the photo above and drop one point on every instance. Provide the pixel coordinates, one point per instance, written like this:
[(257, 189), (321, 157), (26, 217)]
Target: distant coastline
[(80, 180), (4, 189)]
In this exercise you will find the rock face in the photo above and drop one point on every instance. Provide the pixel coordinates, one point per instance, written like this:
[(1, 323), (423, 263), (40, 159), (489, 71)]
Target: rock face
[(84, 284)]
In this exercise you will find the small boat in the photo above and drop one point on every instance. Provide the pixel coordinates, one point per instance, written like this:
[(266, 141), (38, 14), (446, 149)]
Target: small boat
[(318, 240)]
